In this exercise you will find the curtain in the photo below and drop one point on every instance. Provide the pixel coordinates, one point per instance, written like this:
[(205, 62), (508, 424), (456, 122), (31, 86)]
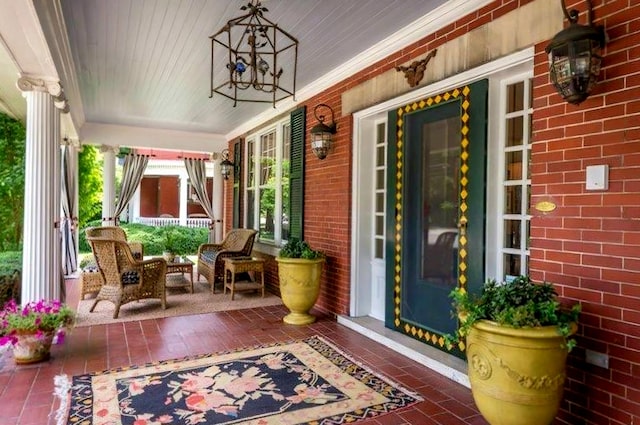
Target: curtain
[(132, 172), (69, 222), (197, 174)]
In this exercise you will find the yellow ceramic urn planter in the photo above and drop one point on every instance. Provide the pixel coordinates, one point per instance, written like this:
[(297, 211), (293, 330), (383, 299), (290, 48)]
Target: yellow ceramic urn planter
[(299, 287), (518, 336), (299, 272), (517, 374)]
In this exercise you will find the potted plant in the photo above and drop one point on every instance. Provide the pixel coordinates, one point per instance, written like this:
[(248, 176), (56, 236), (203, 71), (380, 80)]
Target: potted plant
[(32, 328), (170, 249), (517, 338), (299, 272)]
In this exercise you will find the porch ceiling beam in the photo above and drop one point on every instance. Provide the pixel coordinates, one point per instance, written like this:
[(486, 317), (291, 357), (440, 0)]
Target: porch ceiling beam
[(154, 138)]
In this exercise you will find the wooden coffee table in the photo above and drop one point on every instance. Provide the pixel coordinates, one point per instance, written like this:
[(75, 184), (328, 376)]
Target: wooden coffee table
[(180, 265), (240, 265)]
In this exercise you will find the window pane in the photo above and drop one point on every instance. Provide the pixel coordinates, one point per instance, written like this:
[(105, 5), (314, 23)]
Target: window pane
[(380, 156), (514, 131), (513, 165), (515, 97), (251, 162), (511, 266), (512, 199), (251, 209), (267, 197), (512, 234), (379, 248), (379, 225), (286, 150), (380, 133), (267, 157), (379, 202), (380, 179)]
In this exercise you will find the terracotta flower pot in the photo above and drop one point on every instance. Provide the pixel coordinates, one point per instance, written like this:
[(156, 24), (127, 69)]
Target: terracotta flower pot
[(32, 348), (299, 287)]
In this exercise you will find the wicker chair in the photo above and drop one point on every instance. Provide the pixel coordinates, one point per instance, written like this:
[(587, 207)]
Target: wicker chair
[(127, 279), (118, 233), (237, 243)]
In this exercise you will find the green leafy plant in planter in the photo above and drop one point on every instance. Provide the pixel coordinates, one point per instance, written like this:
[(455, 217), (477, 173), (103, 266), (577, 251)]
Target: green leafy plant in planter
[(171, 246), (299, 272), (296, 248), (520, 303), (516, 336)]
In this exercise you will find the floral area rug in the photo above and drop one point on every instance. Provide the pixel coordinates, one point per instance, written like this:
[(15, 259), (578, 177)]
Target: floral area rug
[(300, 382)]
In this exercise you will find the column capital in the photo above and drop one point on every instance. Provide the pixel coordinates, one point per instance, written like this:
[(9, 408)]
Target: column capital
[(109, 149), (214, 155), (54, 88)]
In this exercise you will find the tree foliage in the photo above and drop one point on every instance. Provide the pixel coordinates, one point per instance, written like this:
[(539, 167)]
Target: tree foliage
[(89, 186), (12, 151)]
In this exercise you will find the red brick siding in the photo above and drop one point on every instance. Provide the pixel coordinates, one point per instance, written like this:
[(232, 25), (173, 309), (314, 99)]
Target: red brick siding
[(590, 245)]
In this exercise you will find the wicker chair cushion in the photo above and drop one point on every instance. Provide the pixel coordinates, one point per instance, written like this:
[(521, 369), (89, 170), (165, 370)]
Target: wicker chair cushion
[(130, 277), (209, 256)]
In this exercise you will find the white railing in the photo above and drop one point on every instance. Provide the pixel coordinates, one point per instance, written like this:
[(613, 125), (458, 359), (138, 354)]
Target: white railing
[(165, 221)]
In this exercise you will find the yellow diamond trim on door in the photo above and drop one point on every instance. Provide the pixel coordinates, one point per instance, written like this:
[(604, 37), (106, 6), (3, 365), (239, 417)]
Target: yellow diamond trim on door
[(456, 93)]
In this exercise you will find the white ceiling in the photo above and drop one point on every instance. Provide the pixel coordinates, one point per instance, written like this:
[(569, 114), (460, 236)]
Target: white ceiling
[(145, 64)]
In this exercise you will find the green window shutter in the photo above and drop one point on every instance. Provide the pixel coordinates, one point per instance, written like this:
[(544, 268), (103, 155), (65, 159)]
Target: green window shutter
[(237, 160), (296, 173)]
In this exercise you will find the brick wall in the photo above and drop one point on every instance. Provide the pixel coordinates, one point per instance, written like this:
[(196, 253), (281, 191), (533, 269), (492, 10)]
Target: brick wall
[(590, 245)]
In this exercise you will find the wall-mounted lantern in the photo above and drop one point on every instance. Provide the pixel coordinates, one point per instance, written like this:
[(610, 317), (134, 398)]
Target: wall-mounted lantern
[(575, 54), (322, 134), (226, 166)]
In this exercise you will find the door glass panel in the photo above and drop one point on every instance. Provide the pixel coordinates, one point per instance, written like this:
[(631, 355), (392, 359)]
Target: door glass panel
[(515, 97), (379, 225), (379, 248), (380, 179), (380, 154), (440, 191), (513, 163), (379, 201), (512, 234), (512, 197), (511, 266), (514, 131)]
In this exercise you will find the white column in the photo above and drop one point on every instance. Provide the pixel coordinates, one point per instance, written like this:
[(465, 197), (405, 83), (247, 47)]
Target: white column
[(182, 202), (41, 264), (108, 184), (217, 199)]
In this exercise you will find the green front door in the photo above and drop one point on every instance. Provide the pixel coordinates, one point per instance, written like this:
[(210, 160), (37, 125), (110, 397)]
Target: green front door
[(437, 203)]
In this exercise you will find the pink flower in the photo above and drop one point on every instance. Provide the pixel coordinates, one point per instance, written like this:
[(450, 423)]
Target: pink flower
[(207, 401), (195, 383)]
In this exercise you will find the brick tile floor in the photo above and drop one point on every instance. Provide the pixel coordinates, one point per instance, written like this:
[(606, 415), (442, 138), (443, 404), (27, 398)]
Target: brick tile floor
[(26, 391)]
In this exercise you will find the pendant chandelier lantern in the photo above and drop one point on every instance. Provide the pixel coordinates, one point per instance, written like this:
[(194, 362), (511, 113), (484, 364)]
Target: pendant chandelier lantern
[(253, 59)]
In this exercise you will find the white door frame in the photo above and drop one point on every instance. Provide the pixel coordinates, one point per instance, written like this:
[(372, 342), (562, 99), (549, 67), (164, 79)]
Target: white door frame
[(363, 159)]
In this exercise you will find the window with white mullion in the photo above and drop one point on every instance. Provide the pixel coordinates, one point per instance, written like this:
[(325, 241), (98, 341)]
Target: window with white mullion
[(380, 179), (516, 177), (267, 191), (266, 168), (250, 199)]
